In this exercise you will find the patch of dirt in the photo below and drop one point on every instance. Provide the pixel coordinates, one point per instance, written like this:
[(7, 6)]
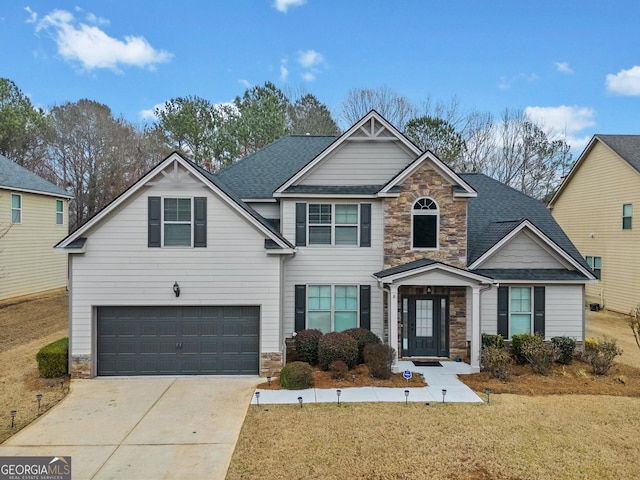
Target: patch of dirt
[(24, 329), (362, 379), (614, 325)]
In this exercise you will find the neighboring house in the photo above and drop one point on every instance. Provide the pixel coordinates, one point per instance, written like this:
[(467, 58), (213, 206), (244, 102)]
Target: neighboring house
[(33, 218), (193, 273), (595, 206)]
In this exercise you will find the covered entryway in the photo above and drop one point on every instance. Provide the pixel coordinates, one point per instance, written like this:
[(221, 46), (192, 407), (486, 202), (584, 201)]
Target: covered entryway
[(428, 324), (185, 340)]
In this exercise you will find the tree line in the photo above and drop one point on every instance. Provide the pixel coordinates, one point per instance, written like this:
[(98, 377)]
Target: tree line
[(83, 147)]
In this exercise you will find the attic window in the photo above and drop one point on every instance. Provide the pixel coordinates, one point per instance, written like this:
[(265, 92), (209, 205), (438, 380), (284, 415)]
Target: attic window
[(425, 217)]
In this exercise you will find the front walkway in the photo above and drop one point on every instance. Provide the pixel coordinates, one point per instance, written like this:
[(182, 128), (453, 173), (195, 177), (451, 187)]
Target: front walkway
[(437, 378)]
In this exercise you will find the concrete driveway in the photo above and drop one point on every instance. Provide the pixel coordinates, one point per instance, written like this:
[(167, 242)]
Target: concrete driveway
[(142, 428)]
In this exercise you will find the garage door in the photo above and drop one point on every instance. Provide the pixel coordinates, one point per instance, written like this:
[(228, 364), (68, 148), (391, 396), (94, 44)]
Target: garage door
[(207, 340)]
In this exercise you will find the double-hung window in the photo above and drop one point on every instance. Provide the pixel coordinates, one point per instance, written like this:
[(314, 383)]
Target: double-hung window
[(627, 216), (177, 222), (332, 307), (59, 212), (521, 310), (596, 265), (16, 208), (331, 224)]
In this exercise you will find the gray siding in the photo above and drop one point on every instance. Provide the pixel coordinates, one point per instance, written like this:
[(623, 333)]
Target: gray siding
[(119, 269), (360, 163), (334, 265), (522, 252)]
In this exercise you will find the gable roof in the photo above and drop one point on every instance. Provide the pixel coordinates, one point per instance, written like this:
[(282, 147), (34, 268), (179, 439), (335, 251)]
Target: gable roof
[(499, 210), (258, 175), (373, 126), (231, 198), (627, 147), (425, 265), (16, 177)]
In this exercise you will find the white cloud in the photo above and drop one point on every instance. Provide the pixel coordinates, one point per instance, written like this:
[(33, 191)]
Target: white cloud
[(308, 76), (564, 122), (283, 5), (245, 83), (150, 113), (33, 16), (625, 82), (505, 83), (93, 48), (310, 58), (284, 72), (563, 67), (99, 20)]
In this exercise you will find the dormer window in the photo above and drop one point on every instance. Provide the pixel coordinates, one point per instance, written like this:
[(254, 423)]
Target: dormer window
[(425, 221)]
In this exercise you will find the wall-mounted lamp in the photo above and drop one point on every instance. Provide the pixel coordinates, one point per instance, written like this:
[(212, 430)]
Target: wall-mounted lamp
[(176, 289), (428, 290)]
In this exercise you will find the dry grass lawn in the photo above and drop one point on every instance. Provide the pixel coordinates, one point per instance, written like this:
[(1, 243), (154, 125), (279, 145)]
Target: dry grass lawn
[(568, 425)]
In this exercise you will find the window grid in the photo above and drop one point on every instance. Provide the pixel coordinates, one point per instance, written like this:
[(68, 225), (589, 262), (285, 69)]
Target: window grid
[(425, 220), (521, 312), (177, 222), (331, 224), (332, 307), (16, 208), (627, 216), (596, 265), (59, 212)]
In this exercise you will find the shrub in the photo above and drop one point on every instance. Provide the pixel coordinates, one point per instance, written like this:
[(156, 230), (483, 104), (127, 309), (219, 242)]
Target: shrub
[(338, 369), (496, 361), (601, 358), (489, 340), (296, 376), (590, 344), (306, 342), (566, 347), (364, 337), (518, 344), (379, 358), (337, 346), (53, 359), (540, 355)]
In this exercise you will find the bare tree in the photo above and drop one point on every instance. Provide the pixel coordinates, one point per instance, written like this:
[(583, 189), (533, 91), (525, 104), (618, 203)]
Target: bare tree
[(396, 108)]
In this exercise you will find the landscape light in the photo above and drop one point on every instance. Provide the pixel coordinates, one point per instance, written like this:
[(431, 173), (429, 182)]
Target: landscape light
[(353, 377), (39, 397), (269, 380), (300, 401), (488, 392), (13, 416), (406, 397), (338, 392), (444, 393), (258, 398)]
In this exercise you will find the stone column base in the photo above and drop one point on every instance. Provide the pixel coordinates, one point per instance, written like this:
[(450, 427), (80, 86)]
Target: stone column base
[(270, 363), (81, 366)]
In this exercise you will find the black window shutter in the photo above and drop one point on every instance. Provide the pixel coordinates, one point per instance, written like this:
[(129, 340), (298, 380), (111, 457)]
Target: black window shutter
[(365, 225), (503, 311), (365, 306), (538, 310), (200, 222), (301, 224), (154, 221), (300, 307)]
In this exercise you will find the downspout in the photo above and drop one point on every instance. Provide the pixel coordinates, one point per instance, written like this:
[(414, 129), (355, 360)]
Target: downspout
[(283, 345), (388, 294)]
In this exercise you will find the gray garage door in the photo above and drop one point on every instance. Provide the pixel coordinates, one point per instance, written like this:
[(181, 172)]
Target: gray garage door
[(207, 340)]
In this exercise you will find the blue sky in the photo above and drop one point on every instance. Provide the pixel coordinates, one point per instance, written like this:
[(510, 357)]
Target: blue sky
[(572, 65)]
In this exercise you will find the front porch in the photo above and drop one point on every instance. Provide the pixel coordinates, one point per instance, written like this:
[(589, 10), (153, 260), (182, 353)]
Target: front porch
[(432, 310)]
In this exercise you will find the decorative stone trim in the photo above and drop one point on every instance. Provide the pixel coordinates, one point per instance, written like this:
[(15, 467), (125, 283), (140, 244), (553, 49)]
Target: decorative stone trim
[(270, 363), (81, 366)]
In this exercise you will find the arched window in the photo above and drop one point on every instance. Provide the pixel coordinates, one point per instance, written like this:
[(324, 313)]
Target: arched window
[(425, 219)]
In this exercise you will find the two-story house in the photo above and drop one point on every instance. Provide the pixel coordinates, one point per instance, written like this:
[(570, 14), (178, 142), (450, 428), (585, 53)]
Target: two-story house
[(594, 205), (33, 218), (194, 273)]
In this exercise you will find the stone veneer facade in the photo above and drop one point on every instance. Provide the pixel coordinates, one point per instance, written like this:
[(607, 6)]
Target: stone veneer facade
[(452, 247), (81, 366)]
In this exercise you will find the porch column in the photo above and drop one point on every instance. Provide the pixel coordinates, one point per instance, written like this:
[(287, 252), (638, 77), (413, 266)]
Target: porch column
[(475, 329), (393, 323)]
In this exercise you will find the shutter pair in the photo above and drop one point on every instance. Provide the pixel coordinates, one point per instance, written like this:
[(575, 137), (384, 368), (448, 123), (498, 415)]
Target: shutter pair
[(301, 307), (538, 311), (154, 225), (365, 224)]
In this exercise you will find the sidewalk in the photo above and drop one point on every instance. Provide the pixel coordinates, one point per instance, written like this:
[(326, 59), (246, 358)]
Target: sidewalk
[(437, 378)]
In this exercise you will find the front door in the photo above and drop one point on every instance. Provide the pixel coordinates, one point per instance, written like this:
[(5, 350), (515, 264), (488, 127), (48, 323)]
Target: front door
[(428, 326)]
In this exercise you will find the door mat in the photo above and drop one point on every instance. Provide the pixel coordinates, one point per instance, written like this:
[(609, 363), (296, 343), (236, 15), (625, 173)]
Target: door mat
[(418, 363)]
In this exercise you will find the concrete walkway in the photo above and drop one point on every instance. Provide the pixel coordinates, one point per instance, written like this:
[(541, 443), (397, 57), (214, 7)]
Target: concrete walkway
[(437, 378), (142, 428)]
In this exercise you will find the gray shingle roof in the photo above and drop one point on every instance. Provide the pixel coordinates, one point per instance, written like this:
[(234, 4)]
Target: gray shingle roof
[(498, 209), (15, 177), (627, 146), (407, 267), (335, 189), (261, 173), (529, 274)]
